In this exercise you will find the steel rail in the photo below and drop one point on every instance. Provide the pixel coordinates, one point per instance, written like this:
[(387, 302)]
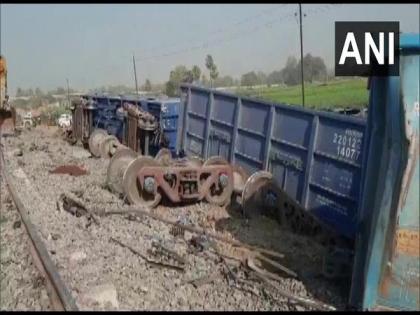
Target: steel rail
[(59, 295)]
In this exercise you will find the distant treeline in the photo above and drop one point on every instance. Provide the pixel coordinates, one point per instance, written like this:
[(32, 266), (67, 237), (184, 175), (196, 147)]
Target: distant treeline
[(314, 70)]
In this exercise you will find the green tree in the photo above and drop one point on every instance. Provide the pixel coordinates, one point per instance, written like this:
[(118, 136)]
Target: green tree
[(211, 66), (224, 81), (177, 76), (170, 88), (249, 79), (196, 72), (275, 77), (291, 72)]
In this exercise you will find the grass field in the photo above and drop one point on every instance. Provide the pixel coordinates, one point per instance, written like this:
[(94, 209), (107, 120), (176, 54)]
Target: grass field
[(334, 94)]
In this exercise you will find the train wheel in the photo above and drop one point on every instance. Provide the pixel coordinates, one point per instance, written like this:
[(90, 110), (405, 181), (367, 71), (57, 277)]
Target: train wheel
[(95, 141), (143, 194), (116, 168), (220, 193), (108, 145), (240, 176), (261, 195)]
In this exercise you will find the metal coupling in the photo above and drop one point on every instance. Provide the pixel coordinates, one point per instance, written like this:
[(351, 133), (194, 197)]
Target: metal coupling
[(149, 184)]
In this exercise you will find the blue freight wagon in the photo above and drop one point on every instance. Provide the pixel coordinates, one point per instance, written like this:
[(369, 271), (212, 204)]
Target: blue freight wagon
[(374, 189), (166, 112), (316, 157), (105, 117)]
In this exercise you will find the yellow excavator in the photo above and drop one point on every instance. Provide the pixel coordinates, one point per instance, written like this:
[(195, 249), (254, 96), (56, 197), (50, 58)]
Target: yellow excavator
[(7, 112)]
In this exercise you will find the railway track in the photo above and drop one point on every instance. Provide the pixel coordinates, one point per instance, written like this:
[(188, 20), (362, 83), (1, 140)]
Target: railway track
[(58, 293)]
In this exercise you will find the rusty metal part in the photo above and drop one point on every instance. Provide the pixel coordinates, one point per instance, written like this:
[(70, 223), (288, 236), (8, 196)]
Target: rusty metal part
[(144, 191), (294, 217), (146, 121), (116, 168), (261, 195), (408, 242), (82, 121), (109, 146), (69, 169), (59, 294), (160, 249), (164, 157), (220, 191), (74, 205), (95, 141), (149, 261), (177, 231), (139, 126), (240, 176), (179, 181)]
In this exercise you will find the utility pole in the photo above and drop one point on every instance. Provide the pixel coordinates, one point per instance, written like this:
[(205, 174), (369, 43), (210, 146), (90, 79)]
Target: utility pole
[(68, 92), (301, 55), (135, 75)]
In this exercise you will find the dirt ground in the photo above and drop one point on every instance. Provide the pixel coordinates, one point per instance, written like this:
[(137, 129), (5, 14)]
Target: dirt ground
[(103, 275)]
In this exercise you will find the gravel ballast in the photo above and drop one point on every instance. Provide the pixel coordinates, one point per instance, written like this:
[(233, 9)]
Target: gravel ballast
[(103, 275)]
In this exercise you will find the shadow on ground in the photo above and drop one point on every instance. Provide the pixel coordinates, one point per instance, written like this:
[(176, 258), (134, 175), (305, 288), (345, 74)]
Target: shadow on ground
[(303, 254)]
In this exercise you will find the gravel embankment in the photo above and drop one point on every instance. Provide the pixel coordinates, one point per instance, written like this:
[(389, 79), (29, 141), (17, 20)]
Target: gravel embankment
[(103, 275)]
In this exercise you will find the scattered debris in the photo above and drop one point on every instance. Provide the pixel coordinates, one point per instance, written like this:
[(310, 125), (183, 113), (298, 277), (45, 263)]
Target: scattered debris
[(197, 282), (151, 262), (55, 236), (75, 206), (18, 152), (33, 147), (304, 301), (158, 249), (193, 229), (17, 224), (73, 170), (200, 242)]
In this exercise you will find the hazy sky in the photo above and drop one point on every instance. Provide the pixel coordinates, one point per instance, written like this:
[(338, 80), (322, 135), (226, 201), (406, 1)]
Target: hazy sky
[(92, 44)]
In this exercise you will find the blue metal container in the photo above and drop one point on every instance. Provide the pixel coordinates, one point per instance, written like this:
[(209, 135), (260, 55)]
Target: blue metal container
[(167, 113), (105, 115), (386, 272), (316, 157)]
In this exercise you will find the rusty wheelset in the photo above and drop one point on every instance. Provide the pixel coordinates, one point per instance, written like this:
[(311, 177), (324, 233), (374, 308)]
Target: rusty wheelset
[(144, 181), (147, 179)]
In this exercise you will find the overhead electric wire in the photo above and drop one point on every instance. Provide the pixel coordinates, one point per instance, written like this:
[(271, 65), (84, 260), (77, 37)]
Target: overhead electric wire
[(215, 42), (270, 11)]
